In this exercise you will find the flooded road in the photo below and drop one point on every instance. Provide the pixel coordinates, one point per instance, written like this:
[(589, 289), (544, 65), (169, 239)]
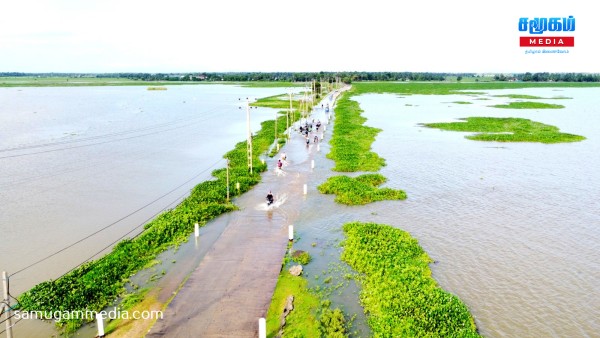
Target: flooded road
[(513, 227)]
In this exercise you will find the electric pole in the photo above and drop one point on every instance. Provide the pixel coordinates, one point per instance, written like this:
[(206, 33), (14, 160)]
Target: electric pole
[(7, 305), (288, 115), (249, 143), (227, 180)]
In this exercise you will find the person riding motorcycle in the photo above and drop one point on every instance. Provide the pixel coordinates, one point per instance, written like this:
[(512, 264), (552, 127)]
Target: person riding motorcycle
[(270, 198)]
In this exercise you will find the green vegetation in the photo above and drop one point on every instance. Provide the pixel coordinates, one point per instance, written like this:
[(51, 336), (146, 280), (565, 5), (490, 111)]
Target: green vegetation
[(268, 84), (301, 257), (507, 130), (532, 97), (157, 88), (351, 141), (311, 316), (351, 151), (520, 96), (332, 323), (528, 105), (440, 88), (96, 284), (302, 321), (360, 190), (398, 294), (462, 102), (280, 101)]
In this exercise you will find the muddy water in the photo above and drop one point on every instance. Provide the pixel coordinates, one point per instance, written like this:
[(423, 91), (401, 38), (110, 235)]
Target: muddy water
[(514, 228), (76, 160)]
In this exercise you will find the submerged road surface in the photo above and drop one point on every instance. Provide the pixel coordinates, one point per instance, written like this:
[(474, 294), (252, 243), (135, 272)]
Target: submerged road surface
[(232, 287)]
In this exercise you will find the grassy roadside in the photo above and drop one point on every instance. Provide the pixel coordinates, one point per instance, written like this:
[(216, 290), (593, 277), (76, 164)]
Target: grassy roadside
[(303, 319), (398, 294), (351, 140), (351, 150), (507, 130), (311, 315)]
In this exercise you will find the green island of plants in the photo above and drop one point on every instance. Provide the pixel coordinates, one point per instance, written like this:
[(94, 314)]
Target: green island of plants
[(351, 140), (97, 284), (398, 294), (462, 102), (507, 130), (360, 190), (301, 257), (532, 97), (528, 105), (276, 101)]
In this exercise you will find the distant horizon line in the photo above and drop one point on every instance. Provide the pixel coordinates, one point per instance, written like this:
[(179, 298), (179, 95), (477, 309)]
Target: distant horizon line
[(4, 73)]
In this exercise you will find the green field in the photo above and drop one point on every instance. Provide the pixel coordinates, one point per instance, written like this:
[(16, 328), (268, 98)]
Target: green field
[(507, 130)]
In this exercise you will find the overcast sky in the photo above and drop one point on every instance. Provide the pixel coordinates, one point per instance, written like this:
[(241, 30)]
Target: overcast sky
[(279, 35)]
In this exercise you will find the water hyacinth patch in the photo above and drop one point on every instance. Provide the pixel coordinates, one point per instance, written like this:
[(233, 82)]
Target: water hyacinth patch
[(398, 294), (360, 190), (507, 130)]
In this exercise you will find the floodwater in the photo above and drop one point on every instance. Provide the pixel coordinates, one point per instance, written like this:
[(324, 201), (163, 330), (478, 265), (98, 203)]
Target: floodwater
[(75, 161), (514, 228)]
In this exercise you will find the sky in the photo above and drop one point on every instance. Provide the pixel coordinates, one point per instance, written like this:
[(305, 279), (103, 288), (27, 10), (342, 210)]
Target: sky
[(170, 36)]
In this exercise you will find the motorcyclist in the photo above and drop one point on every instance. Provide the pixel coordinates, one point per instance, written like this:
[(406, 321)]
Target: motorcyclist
[(270, 198)]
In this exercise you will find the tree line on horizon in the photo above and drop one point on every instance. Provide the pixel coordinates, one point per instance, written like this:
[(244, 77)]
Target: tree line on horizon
[(346, 77)]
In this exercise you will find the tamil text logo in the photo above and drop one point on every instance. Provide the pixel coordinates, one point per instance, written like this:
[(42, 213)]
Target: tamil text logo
[(538, 26)]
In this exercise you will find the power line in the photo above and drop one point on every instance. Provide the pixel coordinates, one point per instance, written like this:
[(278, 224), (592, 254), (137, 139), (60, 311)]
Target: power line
[(20, 319), (119, 220), (97, 143), (6, 319), (25, 147), (138, 226)]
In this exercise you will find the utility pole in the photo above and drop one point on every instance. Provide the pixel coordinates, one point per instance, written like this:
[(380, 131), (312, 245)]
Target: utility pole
[(227, 180), (288, 115), (7, 305), (249, 142), (276, 138)]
